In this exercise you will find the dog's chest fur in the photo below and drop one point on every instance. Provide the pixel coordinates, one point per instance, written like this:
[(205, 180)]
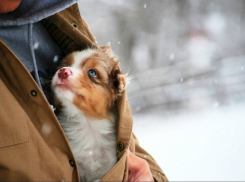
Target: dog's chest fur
[(93, 144)]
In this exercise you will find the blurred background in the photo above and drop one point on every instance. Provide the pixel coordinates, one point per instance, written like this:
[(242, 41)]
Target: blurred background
[(187, 60)]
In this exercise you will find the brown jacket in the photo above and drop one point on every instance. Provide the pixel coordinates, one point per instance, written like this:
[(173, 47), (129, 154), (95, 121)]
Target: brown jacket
[(26, 153)]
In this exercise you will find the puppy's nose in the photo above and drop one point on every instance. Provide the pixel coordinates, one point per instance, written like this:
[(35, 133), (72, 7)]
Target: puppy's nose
[(63, 73)]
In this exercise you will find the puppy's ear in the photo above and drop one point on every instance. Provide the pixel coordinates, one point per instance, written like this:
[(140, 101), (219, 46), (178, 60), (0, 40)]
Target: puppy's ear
[(119, 80), (106, 49)]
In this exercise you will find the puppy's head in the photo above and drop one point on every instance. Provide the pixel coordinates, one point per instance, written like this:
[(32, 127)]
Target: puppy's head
[(89, 82)]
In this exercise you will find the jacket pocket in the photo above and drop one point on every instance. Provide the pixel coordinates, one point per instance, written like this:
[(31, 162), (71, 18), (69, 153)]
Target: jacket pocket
[(13, 124)]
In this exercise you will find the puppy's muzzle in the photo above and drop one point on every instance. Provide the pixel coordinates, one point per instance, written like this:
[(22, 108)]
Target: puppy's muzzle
[(64, 73)]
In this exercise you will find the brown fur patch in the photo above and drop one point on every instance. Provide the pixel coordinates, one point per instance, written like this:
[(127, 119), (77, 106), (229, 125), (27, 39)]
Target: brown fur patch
[(67, 61)]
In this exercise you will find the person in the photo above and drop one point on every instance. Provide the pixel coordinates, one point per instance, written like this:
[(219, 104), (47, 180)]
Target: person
[(34, 36)]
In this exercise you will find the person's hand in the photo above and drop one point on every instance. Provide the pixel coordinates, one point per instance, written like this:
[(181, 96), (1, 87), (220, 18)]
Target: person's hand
[(138, 169)]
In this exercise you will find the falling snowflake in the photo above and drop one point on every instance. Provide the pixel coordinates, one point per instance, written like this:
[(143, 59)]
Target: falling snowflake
[(56, 58), (36, 45), (171, 56), (216, 104), (46, 129)]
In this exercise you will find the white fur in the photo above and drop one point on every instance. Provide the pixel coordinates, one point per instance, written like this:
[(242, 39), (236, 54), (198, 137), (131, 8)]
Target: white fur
[(80, 56), (93, 143)]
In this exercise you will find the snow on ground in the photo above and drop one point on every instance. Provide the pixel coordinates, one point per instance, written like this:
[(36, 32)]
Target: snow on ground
[(207, 145)]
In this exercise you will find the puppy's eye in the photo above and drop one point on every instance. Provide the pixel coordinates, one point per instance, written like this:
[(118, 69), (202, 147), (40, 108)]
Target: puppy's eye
[(92, 73)]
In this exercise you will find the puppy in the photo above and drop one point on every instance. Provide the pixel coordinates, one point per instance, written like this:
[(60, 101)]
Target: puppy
[(85, 89)]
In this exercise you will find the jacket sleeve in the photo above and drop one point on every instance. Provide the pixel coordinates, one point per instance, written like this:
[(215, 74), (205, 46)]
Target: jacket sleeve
[(156, 171)]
